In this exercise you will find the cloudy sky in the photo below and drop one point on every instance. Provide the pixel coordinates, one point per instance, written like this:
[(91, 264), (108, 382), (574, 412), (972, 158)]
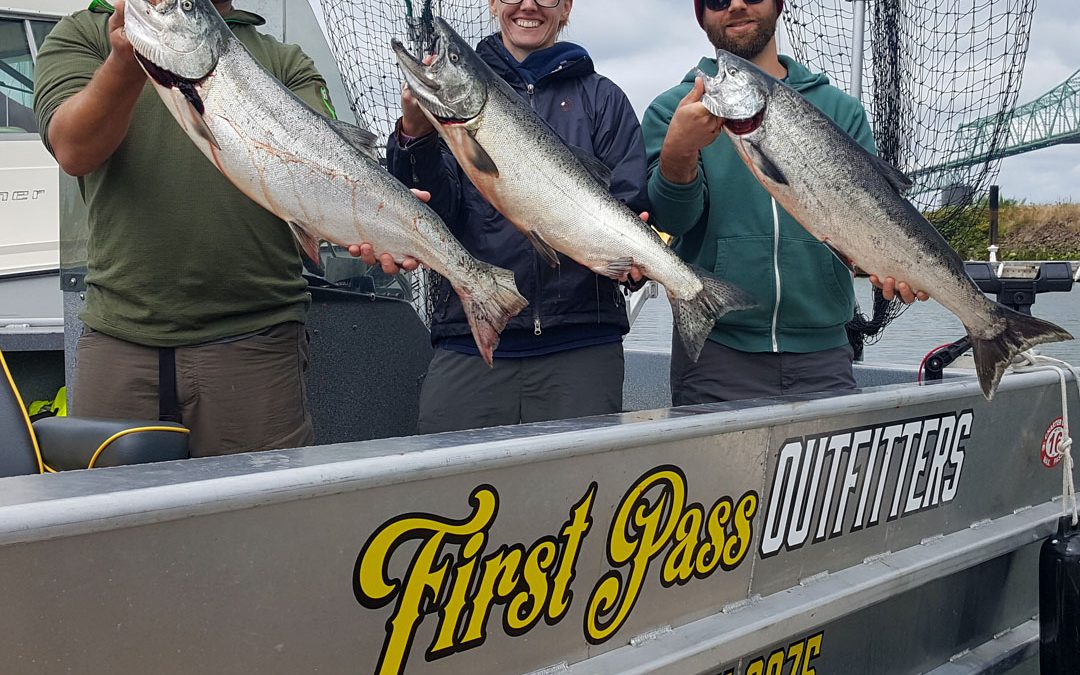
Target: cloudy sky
[(647, 45)]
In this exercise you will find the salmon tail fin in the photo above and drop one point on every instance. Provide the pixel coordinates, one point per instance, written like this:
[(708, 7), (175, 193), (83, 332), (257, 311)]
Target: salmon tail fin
[(695, 318), (489, 304), (1021, 332)]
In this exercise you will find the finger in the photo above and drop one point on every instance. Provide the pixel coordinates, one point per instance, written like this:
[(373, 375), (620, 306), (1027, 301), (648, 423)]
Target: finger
[(388, 265), (410, 264), (905, 293), (635, 273), (695, 94), (367, 254), (354, 250), (874, 281), (923, 296), (888, 288), (644, 215), (422, 195)]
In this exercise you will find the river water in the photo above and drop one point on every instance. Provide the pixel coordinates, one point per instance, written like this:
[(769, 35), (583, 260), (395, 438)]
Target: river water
[(920, 329)]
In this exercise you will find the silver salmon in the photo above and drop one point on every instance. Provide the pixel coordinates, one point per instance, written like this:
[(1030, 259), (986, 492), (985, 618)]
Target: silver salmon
[(852, 201), (556, 195), (318, 175)]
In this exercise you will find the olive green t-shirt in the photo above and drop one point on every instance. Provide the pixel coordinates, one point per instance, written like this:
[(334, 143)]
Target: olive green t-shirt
[(176, 255)]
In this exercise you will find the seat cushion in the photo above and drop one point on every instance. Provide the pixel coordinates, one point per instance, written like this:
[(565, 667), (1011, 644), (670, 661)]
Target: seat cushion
[(86, 442)]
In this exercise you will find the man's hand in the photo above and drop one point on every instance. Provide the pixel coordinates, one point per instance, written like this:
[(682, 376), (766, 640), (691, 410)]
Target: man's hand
[(692, 128), (123, 54), (366, 251), (890, 289)]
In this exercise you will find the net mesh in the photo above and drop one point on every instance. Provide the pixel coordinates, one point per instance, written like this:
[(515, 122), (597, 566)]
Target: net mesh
[(933, 73), (360, 33), (928, 69)]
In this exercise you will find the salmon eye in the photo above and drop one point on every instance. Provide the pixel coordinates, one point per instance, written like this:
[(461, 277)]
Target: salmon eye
[(186, 5), (453, 57), (732, 71)]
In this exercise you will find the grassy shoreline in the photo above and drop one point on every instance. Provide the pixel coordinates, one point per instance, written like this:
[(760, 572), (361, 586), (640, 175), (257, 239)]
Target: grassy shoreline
[(1025, 231)]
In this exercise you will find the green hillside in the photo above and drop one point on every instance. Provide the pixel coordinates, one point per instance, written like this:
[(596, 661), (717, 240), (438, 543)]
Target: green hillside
[(1025, 231)]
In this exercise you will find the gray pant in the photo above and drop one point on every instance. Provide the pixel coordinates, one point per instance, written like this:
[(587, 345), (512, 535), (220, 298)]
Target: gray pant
[(462, 392), (235, 396), (725, 374)]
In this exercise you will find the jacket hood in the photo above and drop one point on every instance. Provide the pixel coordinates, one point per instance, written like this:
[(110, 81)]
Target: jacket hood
[(562, 59), (799, 77)]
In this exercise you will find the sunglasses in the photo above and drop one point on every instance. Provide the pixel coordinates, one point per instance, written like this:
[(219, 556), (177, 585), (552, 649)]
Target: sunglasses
[(550, 3), (720, 5)]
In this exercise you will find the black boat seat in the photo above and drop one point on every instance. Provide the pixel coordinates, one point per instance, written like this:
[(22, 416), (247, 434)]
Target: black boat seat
[(87, 442), (63, 443)]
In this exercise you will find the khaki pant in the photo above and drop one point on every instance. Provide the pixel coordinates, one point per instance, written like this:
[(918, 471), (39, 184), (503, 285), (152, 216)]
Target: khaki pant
[(235, 396)]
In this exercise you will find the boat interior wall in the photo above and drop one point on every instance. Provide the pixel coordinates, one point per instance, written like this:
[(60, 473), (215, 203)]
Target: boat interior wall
[(18, 455), (368, 356)]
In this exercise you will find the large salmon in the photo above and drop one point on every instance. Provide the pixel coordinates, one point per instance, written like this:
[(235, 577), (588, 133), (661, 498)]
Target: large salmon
[(852, 201), (556, 195), (317, 174)]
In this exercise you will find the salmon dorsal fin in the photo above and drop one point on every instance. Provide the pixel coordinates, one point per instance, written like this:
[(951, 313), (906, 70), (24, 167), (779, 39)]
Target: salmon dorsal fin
[(897, 178), (595, 167), (358, 137)]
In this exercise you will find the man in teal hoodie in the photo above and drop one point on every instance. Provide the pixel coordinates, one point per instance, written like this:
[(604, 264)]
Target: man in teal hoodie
[(723, 220)]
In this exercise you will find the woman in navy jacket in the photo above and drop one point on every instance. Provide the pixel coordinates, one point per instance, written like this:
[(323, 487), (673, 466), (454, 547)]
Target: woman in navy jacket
[(562, 356)]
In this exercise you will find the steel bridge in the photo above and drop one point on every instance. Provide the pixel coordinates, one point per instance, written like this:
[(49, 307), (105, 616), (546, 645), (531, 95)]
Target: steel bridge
[(1051, 119)]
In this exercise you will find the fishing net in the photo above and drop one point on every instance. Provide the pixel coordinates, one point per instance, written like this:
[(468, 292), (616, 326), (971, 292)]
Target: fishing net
[(938, 81), (360, 32)]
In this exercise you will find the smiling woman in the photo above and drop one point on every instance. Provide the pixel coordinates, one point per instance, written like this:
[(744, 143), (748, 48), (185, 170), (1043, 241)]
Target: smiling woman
[(530, 25), (563, 358)]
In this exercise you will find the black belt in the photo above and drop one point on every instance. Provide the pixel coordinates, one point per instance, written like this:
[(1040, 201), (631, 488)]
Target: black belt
[(168, 403)]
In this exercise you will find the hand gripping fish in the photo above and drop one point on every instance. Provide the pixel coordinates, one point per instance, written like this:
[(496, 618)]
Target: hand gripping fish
[(557, 197), (319, 175), (851, 200)]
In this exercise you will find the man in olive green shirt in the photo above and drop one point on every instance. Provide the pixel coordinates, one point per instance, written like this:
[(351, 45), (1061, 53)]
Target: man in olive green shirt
[(181, 265)]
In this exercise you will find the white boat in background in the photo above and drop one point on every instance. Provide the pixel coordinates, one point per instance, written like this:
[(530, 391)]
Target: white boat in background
[(29, 177)]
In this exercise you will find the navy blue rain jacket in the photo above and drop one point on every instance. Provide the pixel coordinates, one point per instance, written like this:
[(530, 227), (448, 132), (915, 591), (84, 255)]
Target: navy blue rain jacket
[(588, 111)]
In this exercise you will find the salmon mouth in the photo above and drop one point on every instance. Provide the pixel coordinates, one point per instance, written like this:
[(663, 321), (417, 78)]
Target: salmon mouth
[(171, 80), (746, 126)]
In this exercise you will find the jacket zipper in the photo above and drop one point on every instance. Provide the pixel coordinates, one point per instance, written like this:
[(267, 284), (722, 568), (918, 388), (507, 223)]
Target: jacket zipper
[(537, 327), (776, 267)]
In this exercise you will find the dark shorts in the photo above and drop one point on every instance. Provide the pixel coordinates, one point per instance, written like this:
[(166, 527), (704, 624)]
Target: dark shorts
[(236, 396), (462, 392), (725, 374)]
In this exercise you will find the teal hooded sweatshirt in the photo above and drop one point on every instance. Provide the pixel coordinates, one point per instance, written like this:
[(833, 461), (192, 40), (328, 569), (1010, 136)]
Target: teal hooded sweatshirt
[(725, 222)]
